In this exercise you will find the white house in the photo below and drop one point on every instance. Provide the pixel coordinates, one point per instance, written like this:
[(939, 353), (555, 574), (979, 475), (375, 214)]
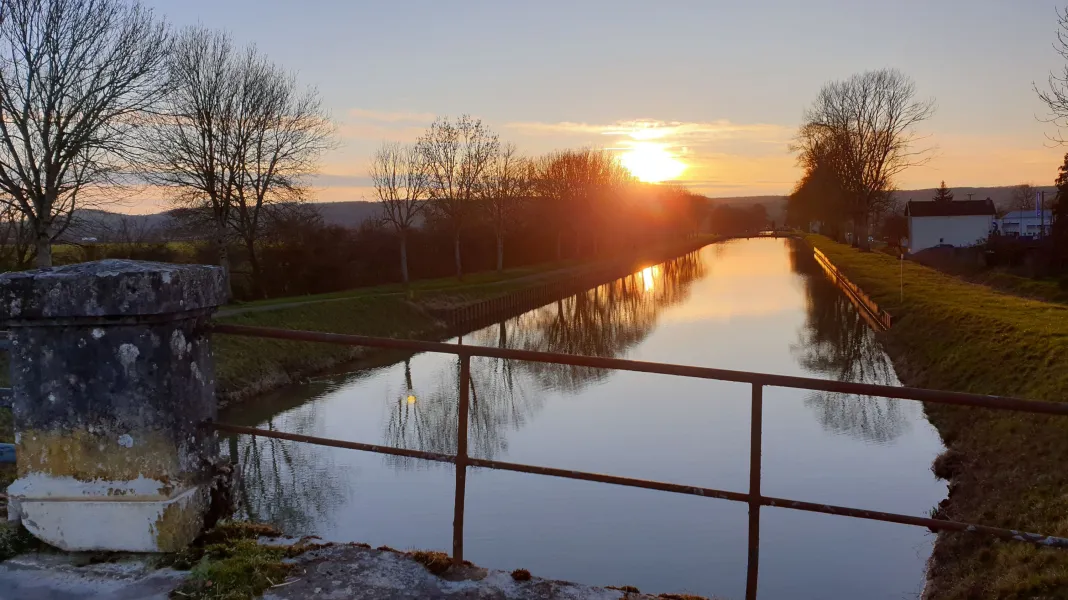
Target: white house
[(1025, 223), (953, 222)]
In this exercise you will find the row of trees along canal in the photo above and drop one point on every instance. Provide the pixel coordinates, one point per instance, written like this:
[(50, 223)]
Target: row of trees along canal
[(101, 99)]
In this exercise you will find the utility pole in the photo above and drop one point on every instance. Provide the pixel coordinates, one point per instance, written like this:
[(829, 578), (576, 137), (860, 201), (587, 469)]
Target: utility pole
[(1041, 214)]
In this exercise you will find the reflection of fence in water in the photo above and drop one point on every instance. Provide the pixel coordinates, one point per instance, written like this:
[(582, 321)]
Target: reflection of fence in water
[(877, 317), (753, 497)]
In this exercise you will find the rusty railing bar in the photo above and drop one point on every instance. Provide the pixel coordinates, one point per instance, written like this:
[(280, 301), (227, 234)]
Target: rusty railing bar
[(756, 425), (319, 441), (936, 524), (765, 379), (461, 462)]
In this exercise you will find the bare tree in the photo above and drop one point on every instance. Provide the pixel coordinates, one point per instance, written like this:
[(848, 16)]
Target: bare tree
[(1056, 96), (288, 131), (236, 137), (457, 153), (197, 137), (401, 181), (75, 77), (506, 184), (864, 130), (1022, 197), (16, 237)]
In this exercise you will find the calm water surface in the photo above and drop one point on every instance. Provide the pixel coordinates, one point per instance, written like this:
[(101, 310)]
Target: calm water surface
[(759, 305)]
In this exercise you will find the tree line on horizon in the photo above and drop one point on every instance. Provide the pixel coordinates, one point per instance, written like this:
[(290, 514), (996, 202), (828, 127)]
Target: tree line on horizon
[(458, 172), (101, 97)]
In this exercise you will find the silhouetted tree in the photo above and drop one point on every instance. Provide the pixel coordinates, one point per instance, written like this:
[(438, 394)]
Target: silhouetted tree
[(236, 138), (943, 194), (76, 77), (507, 182), (863, 130), (457, 154), (1022, 197), (1059, 227), (402, 183)]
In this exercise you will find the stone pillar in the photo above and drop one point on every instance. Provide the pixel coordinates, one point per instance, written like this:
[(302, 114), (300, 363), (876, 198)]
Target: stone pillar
[(111, 374)]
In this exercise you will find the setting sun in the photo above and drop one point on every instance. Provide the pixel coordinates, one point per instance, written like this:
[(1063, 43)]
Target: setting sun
[(652, 163)]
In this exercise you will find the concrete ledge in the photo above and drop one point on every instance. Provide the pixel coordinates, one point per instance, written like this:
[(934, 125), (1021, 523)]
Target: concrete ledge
[(129, 524)]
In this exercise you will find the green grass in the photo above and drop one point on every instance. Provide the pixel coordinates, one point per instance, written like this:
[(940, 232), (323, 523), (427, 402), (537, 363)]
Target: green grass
[(1049, 290), (417, 288), (954, 335), (250, 364)]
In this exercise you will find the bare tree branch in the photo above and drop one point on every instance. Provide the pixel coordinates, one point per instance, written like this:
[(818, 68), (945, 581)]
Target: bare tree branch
[(76, 79), (401, 180), (863, 129), (457, 153), (236, 137)]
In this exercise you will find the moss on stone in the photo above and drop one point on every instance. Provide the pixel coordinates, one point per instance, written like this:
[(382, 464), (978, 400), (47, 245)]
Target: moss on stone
[(227, 562), (435, 562), (235, 570), (15, 540)]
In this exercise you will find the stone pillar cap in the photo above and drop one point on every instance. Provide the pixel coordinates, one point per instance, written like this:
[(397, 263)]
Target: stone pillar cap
[(110, 288)]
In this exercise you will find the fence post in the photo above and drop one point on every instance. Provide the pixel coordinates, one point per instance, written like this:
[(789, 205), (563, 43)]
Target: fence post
[(755, 426), (461, 461), (112, 374)]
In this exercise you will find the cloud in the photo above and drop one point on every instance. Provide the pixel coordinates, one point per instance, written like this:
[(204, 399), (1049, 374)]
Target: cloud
[(386, 116), (650, 129), (340, 180)]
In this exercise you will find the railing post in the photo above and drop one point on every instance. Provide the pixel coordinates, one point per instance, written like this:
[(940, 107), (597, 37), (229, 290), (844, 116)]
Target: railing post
[(461, 461), (755, 426)]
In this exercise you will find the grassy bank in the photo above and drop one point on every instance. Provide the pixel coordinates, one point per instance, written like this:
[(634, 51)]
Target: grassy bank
[(1004, 469), (245, 366), (248, 366)]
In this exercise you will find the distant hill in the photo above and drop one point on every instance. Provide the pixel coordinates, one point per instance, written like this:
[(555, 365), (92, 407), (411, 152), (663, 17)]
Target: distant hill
[(101, 224), (1001, 195)]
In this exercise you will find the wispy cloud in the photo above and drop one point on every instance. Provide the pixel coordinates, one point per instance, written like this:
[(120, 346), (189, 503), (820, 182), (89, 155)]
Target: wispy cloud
[(649, 129), (390, 116)]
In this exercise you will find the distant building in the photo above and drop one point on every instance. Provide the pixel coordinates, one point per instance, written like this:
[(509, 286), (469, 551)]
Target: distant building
[(1025, 223), (954, 222)]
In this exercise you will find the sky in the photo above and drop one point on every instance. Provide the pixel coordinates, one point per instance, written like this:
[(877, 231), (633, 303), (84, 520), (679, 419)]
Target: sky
[(723, 83)]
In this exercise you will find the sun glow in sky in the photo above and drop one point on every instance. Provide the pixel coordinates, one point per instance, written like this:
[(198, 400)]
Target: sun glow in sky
[(652, 162), (726, 132)]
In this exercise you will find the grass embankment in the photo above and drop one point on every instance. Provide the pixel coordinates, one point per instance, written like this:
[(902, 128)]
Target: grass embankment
[(247, 366), (1050, 290), (1005, 469)]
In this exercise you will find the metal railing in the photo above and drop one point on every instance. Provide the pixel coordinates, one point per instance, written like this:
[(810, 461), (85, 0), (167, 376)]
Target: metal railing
[(758, 381)]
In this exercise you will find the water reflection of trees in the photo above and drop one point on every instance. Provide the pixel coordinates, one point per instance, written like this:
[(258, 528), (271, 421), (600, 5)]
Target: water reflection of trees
[(294, 486), (604, 321), (837, 342)]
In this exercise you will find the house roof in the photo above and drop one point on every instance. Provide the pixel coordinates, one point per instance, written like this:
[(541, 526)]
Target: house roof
[(1027, 214), (953, 208)]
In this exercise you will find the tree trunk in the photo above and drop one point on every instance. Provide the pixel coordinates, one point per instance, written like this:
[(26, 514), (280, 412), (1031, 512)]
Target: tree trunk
[(404, 257), (862, 240), (459, 263), (500, 251), (502, 335), (43, 243), (257, 275), (224, 257)]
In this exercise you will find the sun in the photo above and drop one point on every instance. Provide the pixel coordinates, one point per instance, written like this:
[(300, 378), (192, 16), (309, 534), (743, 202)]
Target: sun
[(652, 163)]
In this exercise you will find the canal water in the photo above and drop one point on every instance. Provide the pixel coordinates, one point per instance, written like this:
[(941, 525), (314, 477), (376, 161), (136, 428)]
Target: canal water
[(759, 305)]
